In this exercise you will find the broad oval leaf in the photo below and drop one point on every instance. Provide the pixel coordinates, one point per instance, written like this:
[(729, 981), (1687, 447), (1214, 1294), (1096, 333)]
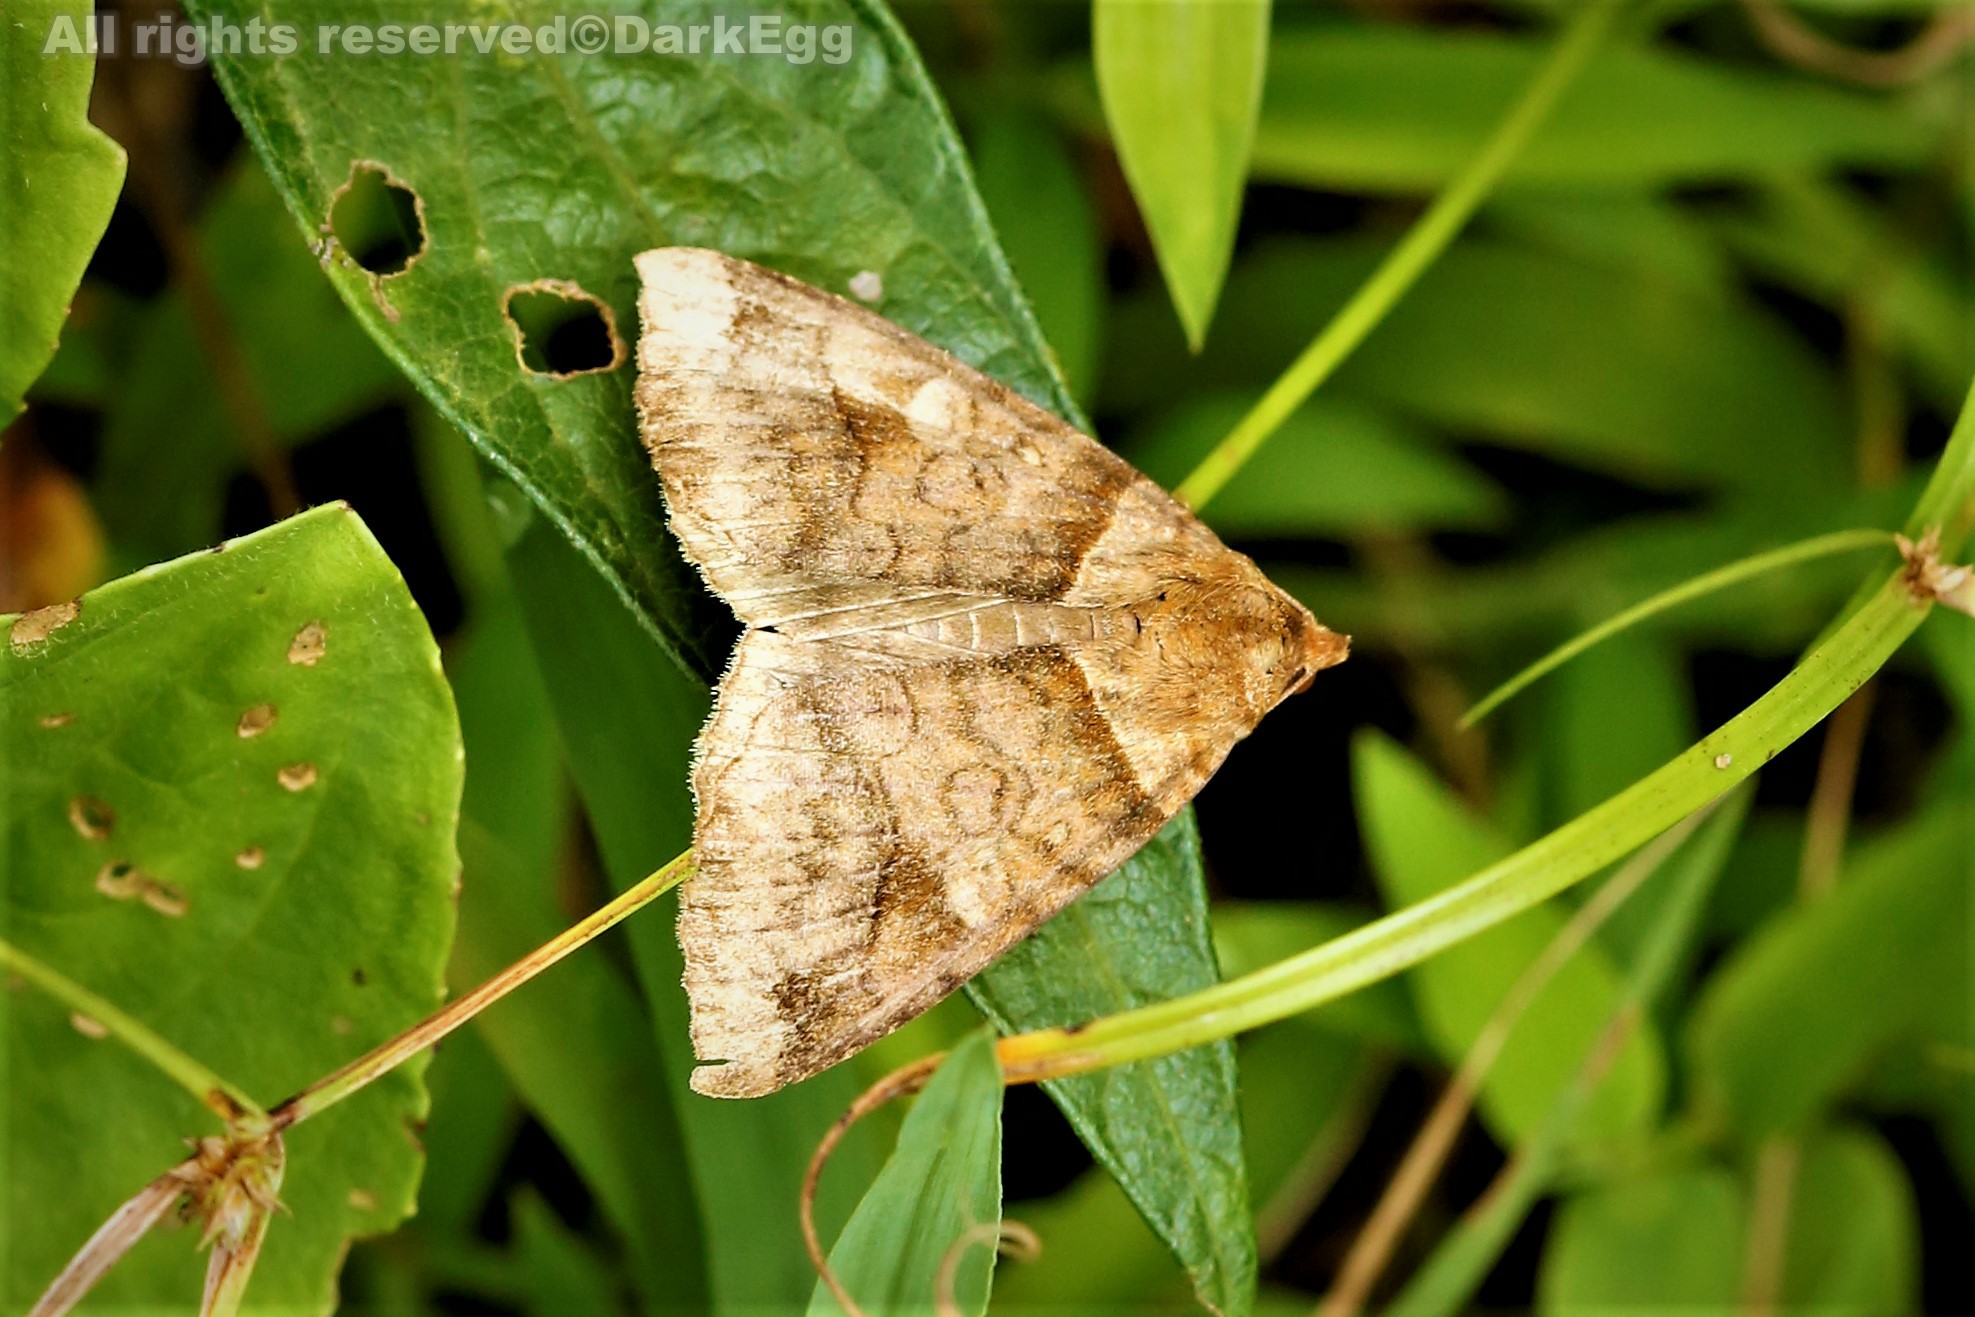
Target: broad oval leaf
[(1181, 82), (1798, 1011), (1854, 1244), (1670, 1239), (234, 786)]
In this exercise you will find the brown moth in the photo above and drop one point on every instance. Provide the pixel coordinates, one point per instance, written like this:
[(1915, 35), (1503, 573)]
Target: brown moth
[(985, 660)]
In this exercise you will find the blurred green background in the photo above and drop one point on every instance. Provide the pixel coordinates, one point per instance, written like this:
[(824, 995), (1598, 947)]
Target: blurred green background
[(1724, 302)]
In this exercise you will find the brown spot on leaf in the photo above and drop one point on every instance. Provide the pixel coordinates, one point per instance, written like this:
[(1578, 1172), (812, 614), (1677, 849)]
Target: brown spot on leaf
[(256, 720), (120, 880), (363, 1200), (166, 898), (561, 329), (341, 1025), (31, 630), (309, 645), (297, 777), (54, 720), (88, 1026), (251, 858), (91, 817)]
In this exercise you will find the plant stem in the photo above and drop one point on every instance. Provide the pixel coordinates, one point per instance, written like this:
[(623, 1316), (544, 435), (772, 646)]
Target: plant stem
[(225, 1099), (1821, 546), (1427, 1155), (387, 1056), (1539, 871), (1424, 242), (1888, 611)]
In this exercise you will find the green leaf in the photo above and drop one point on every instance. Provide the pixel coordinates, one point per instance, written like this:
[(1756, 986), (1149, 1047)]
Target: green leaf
[(1333, 470), (1617, 369), (1797, 1012), (1168, 1129), (1253, 934), (1422, 841), (60, 177), (1614, 714), (1854, 1244), (1181, 82), (940, 1191), (560, 1270), (1448, 1280), (565, 167), (1046, 224), (170, 439), (315, 911), (1398, 108), (1823, 238), (824, 172), (1670, 1239), (575, 1045), (1628, 230), (1519, 608)]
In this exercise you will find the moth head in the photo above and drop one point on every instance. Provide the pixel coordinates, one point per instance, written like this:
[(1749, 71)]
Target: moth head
[(1250, 644), (1294, 648)]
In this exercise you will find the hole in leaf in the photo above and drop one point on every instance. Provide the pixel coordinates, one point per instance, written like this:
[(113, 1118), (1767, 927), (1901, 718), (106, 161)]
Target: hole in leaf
[(377, 220), (91, 818), (120, 880), (563, 330)]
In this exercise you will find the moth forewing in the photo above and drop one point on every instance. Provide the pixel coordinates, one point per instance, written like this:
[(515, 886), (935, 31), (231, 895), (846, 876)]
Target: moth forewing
[(985, 661)]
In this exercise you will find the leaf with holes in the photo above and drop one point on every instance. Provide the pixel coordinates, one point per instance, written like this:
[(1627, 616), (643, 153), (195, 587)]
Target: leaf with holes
[(526, 187), (233, 786), (60, 177), (481, 216)]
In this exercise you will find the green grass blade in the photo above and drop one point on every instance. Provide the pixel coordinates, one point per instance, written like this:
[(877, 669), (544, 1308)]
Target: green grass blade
[(1843, 541), (924, 1235), (1423, 243)]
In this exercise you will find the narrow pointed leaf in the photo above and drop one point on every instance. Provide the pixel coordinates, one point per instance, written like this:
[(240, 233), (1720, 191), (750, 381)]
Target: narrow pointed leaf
[(60, 177), (928, 1226), (1181, 82)]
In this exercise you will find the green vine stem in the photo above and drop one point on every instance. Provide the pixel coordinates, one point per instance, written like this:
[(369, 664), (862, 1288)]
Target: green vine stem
[(388, 1055), (229, 1102), (1743, 569), (1890, 610), (1424, 242)]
